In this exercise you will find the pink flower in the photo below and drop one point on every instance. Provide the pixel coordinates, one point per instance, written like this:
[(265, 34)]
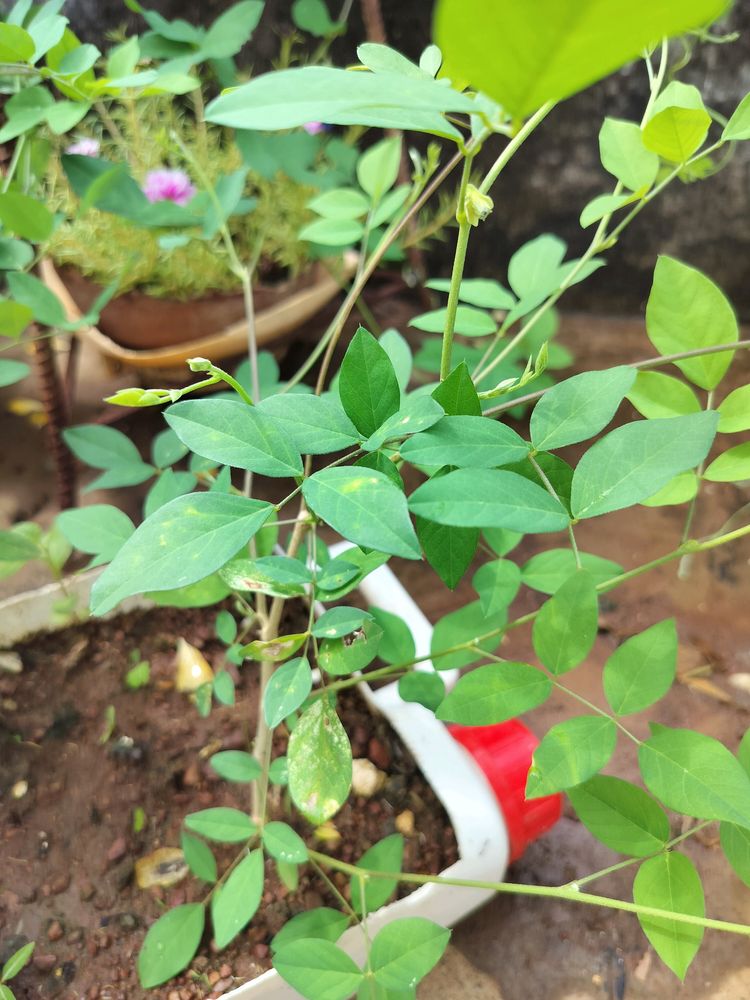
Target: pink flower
[(168, 185), (314, 128), (84, 147)]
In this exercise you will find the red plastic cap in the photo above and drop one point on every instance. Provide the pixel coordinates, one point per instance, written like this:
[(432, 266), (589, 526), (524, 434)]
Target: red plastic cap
[(504, 752)]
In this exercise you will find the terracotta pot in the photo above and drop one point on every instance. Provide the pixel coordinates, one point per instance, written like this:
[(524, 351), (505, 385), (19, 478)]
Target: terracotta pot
[(142, 332)]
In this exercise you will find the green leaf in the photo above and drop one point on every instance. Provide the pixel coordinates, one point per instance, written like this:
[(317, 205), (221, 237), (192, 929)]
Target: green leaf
[(12, 372), (168, 486), (287, 689), (682, 488), (466, 442), (423, 687), (278, 772), (100, 529), (695, 774), (321, 923), (232, 433), (655, 396), (223, 687), (235, 765), (17, 961), (320, 763), (317, 969), (675, 133), (497, 584), (278, 576), (340, 203), (101, 447), (385, 856), (735, 842), (565, 629), (481, 292), (670, 882), (282, 843), (466, 624), (458, 395), (29, 291), (548, 571), (687, 311), (15, 255), (185, 541), (16, 45), (624, 155), (495, 693), (313, 16), (274, 649), (734, 411), (469, 322), (170, 944), (416, 415), (348, 655), (738, 126), (398, 350), (632, 462), (314, 424), (338, 622), (333, 232), (198, 857), (501, 541), (292, 97), (579, 407), (571, 753), (6, 993), (642, 669), (25, 216), (404, 951), (368, 385), (448, 550), (231, 30), (365, 507), (396, 644), (488, 498), (377, 168), (381, 58), (235, 903), (604, 204), (227, 826), (622, 816), (730, 467), (166, 449), (523, 55)]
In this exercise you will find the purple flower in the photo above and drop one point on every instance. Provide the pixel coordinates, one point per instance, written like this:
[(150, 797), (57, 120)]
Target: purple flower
[(314, 128), (84, 147), (168, 185)]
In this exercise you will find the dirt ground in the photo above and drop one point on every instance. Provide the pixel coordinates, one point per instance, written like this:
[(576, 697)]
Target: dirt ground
[(543, 950)]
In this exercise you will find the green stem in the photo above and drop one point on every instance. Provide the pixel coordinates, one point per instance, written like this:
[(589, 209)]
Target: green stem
[(459, 259), (684, 568), (553, 492), (658, 362), (543, 891), (578, 882), (18, 149), (513, 146), (692, 545)]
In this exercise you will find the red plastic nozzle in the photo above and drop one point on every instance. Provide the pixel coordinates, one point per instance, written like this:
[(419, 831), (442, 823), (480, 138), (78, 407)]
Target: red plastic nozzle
[(504, 752)]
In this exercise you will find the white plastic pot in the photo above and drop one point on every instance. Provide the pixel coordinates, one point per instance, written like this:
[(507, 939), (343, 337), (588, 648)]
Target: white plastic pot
[(456, 778)]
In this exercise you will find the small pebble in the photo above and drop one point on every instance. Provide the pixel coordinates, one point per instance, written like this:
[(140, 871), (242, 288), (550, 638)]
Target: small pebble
[(117, 850), (55, 931), (173, 995), (213, 977), (44, 963), (60, 883), (367, 779), (93, 993), (260, 950), (86, 890), (11, 662), (378, 754), (225, 971), (222, 985), (405, 822), (19, 789)]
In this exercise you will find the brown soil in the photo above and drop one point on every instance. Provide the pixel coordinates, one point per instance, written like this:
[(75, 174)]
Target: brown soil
[(68, 847)]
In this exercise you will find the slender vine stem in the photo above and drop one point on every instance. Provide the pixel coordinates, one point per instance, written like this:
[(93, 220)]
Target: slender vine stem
[(553, 492), (692, 545), (645, 365), (459, 259), (543, 891)]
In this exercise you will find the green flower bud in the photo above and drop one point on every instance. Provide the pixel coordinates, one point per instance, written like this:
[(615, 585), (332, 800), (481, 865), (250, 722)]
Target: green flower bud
[(477, 206)]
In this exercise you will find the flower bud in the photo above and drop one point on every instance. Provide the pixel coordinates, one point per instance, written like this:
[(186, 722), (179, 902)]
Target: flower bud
[(477, 206)]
